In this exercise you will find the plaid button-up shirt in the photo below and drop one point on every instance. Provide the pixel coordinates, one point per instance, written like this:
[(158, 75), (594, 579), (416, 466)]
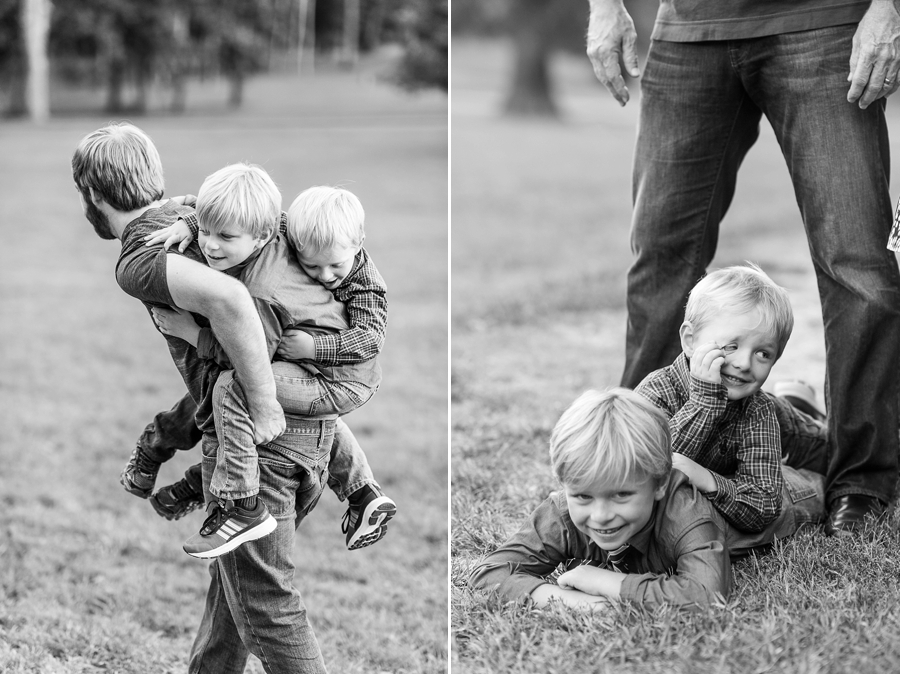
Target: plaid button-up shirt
[(739, 442)]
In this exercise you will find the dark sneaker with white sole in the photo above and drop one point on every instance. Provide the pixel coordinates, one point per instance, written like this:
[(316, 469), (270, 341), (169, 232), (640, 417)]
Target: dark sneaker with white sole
[(176, 500), (227, 527), (366, 519), (139, 475)]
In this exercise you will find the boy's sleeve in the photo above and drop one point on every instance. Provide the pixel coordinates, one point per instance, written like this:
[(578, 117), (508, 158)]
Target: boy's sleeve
[(364, 295), (271, 316), (751, 499), (518, 566), (702, 572)]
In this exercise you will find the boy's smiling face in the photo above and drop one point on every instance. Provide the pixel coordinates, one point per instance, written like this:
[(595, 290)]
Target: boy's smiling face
[(749, 347), (227, 247), (611, 514), (329, 266)]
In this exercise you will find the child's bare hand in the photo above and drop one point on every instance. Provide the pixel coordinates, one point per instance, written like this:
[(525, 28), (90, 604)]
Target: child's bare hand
[(707, 361), (696, 474), (177, 323), (178, 232), (296, 345), (187, 200), (587, 579)]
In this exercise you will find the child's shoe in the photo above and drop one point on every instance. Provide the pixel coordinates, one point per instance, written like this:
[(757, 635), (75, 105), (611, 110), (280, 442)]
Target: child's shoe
[(139, 475), (365, 519), (227, 527), (802, 396), (176, 500)]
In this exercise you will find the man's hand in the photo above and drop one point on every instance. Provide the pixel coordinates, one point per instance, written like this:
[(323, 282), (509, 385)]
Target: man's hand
[(611, 35), (875, 57), (593, 581), (177, 323), (696, 474), (268, 420), (707, 361), (296, 345)]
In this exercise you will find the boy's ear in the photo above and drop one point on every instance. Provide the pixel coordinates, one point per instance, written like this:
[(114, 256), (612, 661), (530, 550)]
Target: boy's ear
[(661, 489), (686, 332)]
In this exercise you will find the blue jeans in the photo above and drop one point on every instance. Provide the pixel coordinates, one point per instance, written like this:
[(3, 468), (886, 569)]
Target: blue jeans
[(701, 105), (252, 604), (236, 472)]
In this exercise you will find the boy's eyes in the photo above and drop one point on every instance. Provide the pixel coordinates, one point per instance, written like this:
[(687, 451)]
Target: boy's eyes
[(728, 348)]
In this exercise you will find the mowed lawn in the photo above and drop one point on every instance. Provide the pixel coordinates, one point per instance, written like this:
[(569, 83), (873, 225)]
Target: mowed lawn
[(91, 579), (540, 249)]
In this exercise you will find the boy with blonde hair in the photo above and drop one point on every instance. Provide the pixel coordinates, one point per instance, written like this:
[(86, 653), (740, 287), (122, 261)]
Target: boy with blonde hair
[(727, 434), (241, 233), (623, 526)]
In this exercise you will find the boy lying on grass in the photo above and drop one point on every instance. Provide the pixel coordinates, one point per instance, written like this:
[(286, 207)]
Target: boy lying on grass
[(624, 525)]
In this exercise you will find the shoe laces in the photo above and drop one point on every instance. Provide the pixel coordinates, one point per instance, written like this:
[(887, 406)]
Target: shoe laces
[(183, 491), (144, 463), (215, 520)]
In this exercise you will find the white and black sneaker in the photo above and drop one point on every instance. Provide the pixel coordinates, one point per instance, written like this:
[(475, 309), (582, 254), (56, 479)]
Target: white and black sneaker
[(227, 527)]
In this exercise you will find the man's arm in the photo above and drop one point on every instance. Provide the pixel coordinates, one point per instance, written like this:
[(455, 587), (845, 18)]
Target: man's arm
[(232, 316), (611, 35)]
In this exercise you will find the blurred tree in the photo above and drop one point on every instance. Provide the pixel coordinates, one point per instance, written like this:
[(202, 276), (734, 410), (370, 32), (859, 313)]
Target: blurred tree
[(35, 27), (425, 40), (12, 58)]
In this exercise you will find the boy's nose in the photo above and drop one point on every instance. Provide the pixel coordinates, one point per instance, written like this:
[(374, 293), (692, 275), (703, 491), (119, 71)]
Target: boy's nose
[(740, 360)]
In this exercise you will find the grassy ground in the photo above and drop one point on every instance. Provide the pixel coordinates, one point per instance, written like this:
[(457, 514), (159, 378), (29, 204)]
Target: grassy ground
[(91, 580), (540, 248)]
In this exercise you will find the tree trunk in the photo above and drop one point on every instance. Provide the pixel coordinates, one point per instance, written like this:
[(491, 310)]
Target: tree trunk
[(350, 52), (236, 91), (530, 93), (116, 84), (35, 28), (306, 39)]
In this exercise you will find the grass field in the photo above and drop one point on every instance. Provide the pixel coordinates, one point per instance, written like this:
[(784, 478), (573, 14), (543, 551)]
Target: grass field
[(91, 580), (540, 248)]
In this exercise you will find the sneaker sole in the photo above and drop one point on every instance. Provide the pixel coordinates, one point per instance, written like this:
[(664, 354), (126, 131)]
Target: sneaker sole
[(264, 528), (800, 396), (366, 541), (132, 488), (169, 514), (378, 513)]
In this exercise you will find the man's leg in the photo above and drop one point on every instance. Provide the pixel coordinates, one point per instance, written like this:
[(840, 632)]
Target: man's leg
[(696, 126), (217, 648), (265, 609), (169, 432), (838, 157)]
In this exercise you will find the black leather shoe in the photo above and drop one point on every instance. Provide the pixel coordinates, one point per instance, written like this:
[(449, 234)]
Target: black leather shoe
[(847, 514)]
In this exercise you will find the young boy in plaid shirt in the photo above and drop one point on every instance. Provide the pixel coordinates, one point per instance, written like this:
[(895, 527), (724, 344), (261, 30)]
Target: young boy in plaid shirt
[(319, 371), (729, 437)]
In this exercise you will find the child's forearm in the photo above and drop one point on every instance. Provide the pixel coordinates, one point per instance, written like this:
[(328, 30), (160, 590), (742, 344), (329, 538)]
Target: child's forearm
[(348, 347)]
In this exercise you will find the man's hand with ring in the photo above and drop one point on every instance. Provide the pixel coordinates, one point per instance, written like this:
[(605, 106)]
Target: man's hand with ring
[(875, 58)]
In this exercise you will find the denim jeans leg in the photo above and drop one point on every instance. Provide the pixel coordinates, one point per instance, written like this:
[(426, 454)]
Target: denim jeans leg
[(264, 607), (696, 125), (170, 431), (305, 393), (804, 441), (237, 467), (349, 469), (838, 158), (217, 648)]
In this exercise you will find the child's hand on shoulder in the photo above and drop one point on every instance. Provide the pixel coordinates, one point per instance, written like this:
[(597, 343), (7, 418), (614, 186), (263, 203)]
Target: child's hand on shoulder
[(707, 361), (296, 345), (178, 232), (696, 474), (177, 323)]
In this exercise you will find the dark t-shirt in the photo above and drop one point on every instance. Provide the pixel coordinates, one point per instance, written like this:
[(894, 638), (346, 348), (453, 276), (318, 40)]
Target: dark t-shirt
[(700, 20), (141, 272)]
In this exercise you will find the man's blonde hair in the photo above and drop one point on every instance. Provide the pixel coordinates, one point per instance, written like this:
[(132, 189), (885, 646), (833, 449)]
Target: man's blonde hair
[(121, 164), (742, 288), (324, 217), (241, 194), (611, 436)]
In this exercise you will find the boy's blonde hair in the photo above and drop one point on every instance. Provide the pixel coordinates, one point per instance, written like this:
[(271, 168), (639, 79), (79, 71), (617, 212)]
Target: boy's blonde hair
[(611, 436), (121, 164), (241, 194), (742, 288), (324, 217)]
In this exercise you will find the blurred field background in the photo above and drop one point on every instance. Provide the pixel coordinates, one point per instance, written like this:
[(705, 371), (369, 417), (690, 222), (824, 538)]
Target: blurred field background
[(91, 579), (541, 211)]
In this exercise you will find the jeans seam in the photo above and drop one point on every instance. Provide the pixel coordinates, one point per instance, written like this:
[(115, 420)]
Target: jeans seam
[(242, 600)]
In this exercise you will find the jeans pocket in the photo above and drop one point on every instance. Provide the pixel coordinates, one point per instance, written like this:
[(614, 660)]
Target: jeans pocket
[(806, 491)]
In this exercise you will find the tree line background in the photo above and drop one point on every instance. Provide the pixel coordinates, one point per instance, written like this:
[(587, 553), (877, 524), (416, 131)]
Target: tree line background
[(123, 47), (537, 29)]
